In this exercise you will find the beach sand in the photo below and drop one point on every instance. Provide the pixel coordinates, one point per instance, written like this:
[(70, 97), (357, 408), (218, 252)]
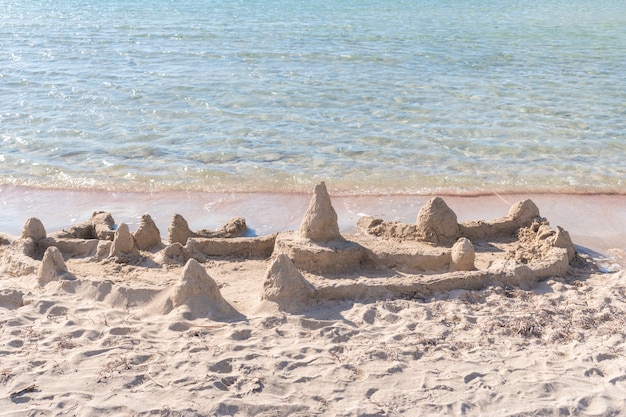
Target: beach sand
[(597, 222), (114, 339)]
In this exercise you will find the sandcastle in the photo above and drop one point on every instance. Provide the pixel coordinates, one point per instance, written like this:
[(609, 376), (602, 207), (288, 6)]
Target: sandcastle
[(318, 246), (385, 259), (436, 243)]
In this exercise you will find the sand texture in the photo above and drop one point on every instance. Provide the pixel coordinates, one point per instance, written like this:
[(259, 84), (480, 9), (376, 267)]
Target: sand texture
[(501, 316)]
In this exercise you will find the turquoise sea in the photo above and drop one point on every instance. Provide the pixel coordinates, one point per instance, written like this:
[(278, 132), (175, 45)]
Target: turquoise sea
[(383, 96)]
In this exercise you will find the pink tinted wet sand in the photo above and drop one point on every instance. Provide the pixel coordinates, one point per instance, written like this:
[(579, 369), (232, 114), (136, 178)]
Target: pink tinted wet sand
[(596, 222)]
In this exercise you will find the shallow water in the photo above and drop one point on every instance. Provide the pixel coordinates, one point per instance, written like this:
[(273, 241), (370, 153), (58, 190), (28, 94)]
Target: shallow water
[(374, 97)]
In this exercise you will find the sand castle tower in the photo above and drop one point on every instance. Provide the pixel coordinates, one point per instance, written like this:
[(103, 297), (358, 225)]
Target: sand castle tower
[(123, 247), (320, 220), (179, 230), (53, 267), (286, 286), (462, 255), (524, 212), (199, 292), (437, 223), (318, 246), (33, 228), (20, 258), (147, 235)]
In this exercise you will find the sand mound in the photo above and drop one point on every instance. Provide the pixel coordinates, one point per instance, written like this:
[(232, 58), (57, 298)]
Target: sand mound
[(20, 256), (462, 255), (34, 229), (286, 286), (198, 292), (11, 299), (147, 235), (236, 227), (101, 226), (53, 267), (320, 220), (437, 223)]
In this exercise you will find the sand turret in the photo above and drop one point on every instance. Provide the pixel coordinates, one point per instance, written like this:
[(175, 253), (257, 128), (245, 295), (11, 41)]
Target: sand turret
[(200, 293), (523, 212), (53, 267), (286, 286), (319, 247), (20, 256), (179, 230), (123, 244), (33, 228), (437, 223), (320, 221), (147, 235), (462, 255)]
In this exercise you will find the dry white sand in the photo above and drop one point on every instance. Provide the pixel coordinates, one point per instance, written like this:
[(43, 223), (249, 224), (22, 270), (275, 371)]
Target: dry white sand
[(107, 344)]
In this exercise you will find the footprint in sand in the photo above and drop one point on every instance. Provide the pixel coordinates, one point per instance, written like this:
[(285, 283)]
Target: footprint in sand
[(594, 372), (470, 377), (225, 383), (222, 367), (478, 377)]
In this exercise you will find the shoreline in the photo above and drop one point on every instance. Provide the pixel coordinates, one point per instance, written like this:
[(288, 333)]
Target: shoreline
[(306, 187), (596, 222)]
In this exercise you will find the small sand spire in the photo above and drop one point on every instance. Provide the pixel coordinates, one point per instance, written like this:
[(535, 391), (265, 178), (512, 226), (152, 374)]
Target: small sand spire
[(179, 230), (147, 235), (53, 267), (320, 221), (33, 228), (462, 255), (286, 286), (123, 243), (437, 223), (200, 293)]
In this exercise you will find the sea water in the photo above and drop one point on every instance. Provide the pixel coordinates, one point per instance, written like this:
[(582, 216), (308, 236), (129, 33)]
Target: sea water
[(458, 96)]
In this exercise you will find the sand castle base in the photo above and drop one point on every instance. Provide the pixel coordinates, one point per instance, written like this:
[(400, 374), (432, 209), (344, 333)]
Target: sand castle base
[(387, 259), (331, 257)]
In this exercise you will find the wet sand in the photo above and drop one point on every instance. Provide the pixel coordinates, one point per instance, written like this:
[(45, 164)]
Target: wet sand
[(595, 222)]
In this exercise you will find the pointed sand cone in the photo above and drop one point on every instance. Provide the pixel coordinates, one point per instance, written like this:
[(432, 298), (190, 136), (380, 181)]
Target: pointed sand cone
[(123, 243), (320, 221), (286, 286), (437, 223), (179, 230), (200, 293), (147, 235), (53, 267)]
